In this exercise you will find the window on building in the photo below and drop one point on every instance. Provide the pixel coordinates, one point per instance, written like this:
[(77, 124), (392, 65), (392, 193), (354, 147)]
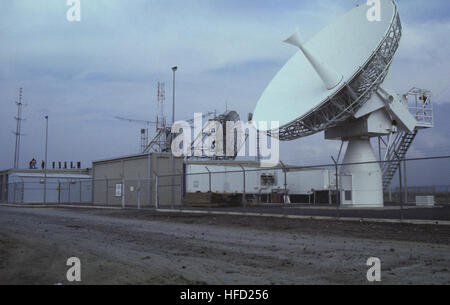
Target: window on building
[(348, 195), (267, 179)]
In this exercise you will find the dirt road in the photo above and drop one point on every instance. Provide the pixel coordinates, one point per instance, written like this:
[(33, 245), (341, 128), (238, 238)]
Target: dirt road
[(137, 247)]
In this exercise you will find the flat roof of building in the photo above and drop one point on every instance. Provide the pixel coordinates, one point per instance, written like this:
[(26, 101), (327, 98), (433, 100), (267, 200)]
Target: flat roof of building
[(49, 171), (40, 174), (247, 163), (135, 156)]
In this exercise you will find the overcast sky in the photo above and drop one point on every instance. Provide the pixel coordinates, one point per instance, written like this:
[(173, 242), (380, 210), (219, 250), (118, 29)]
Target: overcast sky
[(83, 74)]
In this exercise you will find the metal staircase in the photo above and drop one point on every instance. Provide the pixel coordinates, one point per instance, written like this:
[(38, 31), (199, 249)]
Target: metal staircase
[(420, 106), (397, 152)]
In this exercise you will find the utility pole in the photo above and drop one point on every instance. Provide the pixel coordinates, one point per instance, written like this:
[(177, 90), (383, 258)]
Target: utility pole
[(45, 165), (18, 132), (172, 159)]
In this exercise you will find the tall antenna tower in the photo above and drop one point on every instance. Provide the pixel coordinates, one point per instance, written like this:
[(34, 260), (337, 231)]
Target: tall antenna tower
[(160, 99), (18, 132)]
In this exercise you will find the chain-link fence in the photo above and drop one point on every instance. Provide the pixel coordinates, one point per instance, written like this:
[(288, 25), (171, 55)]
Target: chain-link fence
[(29, 191), (441, 194), (119, 192), (418, 184), (418, 189), (138, 193), (317, 184)]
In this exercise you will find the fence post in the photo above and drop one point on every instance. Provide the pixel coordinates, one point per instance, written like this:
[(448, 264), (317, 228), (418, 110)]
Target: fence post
[(209, 174), (81, 189), (406, 183), (329, 192), (244, 194), (400, 189), (22, 192), (123, 192), (285, 183), (107, 191), (181, 187), (337, 186), (139, 194), (156, 190)]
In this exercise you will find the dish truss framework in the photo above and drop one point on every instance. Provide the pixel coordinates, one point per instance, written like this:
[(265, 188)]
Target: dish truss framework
[(337, 109)]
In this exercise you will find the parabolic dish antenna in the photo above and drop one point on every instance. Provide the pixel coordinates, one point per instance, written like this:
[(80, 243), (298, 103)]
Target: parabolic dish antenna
[(359, 53), (338, 82)]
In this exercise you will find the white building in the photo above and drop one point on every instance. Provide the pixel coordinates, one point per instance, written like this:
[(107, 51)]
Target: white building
[(266, 185), (62, 186)]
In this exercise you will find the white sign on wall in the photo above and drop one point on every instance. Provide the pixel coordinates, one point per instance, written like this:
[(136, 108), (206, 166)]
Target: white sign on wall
[(118, 190)]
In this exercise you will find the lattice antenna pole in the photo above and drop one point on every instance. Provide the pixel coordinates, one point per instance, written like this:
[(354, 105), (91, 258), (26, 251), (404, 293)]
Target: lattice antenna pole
[(18, 132), (144, 139), (161, 98)]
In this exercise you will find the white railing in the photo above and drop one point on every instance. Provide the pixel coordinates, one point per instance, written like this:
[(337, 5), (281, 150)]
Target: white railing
[(421, 106)]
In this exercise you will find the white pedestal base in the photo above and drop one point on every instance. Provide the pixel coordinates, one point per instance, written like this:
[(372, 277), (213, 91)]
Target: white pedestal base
[(361, 184)]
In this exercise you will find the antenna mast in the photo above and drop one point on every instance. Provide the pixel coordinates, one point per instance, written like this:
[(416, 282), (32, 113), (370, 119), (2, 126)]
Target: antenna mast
[(160, 99), (18, 132)]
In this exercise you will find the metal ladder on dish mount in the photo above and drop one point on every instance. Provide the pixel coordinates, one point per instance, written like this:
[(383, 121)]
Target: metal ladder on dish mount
[(396, 153), (422, 109)]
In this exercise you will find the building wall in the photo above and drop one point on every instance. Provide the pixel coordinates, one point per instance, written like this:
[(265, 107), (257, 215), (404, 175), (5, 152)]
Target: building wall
[(3, 186), (27, 186), (161, 165), (303, 182), (108, 175), (225, 179), (136, 178)]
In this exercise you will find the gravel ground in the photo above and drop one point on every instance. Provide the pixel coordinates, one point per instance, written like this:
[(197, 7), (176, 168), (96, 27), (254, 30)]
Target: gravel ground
[(145, 247)]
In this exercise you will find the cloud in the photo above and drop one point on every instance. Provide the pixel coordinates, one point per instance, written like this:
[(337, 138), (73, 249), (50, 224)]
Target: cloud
[(86, 73), (422, 59), (136, 38)]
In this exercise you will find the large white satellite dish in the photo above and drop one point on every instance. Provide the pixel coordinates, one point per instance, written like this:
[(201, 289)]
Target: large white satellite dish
[(338, 82), (361, 51)]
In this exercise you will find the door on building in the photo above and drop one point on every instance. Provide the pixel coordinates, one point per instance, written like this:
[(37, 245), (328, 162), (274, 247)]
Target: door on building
[(347, 190)]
